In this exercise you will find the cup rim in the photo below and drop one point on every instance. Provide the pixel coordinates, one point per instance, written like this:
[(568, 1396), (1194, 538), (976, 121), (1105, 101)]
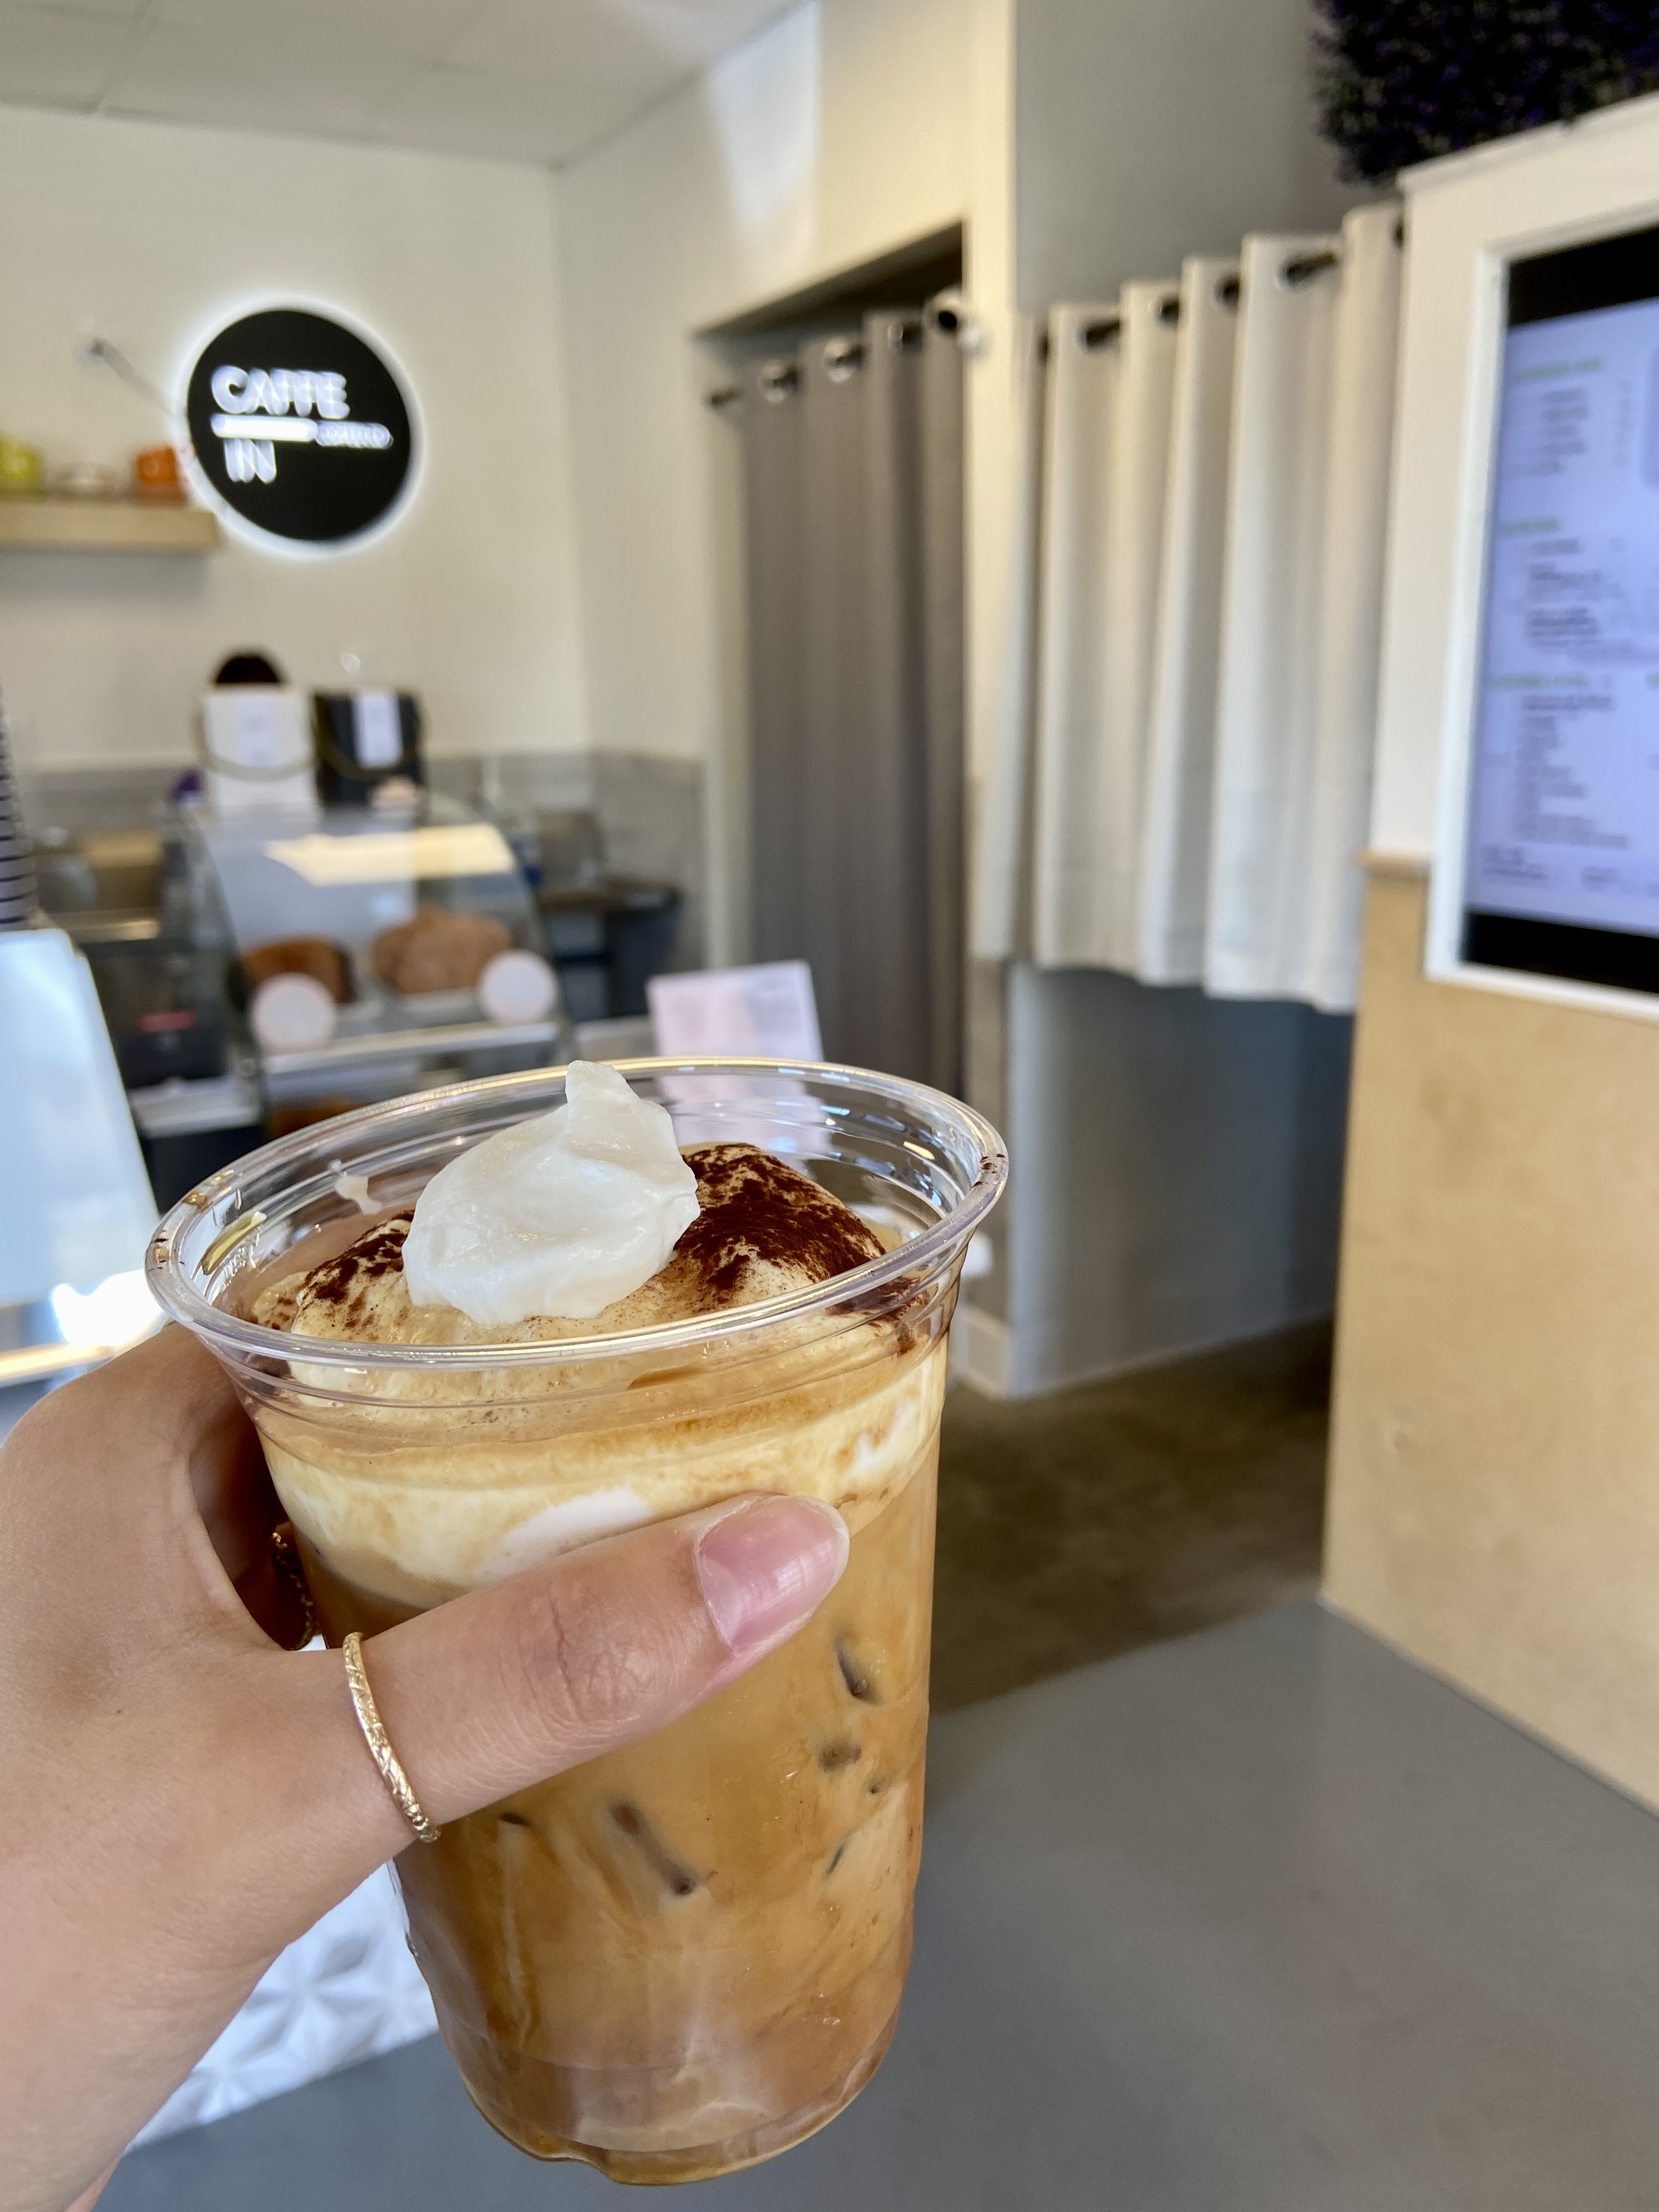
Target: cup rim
[(854, 1292)]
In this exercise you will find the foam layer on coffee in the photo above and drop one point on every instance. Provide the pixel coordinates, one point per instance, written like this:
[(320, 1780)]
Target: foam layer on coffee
[(428, 1480), (760, 1230), (563, 1214)]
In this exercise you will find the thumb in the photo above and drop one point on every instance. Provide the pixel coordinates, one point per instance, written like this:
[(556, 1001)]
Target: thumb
[(511, 1684)]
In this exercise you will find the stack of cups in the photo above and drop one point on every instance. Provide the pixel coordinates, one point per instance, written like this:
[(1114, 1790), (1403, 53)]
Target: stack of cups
[(17, 893)]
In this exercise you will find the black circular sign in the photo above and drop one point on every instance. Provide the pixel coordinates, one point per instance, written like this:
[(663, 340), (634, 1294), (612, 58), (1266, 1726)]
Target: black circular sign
[(300, 427)]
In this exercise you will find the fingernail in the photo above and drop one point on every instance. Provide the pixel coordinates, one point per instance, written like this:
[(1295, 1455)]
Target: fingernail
[(764, 1568)]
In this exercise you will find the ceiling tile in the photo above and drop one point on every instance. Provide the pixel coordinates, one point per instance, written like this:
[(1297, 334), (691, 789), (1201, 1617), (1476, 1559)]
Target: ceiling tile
[(122, 11), (700, 30), (528, 79), (646, 46), (522, 118), (265, 78), (61, 59), (422, 30)]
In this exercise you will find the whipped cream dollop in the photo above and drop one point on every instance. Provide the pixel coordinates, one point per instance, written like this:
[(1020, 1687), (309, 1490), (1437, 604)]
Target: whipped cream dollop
[(559, 1216)]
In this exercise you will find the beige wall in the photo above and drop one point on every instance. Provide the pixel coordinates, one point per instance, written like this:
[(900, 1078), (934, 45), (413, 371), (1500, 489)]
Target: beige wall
[(150, 234), (1494, 1502)]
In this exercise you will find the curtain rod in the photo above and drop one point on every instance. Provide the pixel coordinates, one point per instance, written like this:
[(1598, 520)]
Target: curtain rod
[(1302, 268), (845, 356)]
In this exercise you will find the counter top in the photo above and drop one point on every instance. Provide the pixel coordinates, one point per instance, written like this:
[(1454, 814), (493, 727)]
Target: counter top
[(1263, 1918)]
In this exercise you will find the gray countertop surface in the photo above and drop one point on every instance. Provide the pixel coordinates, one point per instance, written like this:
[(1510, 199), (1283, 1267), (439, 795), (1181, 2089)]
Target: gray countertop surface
[(1263, 1918)]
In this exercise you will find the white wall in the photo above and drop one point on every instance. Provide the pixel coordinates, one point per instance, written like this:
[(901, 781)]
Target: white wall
[(1141, 134), (846, 129), (1163, 1199), (1149, 132), (1178, 1174), (151, 235), (1177, 1158)]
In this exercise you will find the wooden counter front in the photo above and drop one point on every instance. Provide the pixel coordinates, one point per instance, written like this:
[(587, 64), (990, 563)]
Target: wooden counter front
[(1494, 1500)]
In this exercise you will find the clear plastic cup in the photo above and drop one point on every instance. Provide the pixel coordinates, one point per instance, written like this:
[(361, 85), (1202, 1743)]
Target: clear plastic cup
[(684, 1956)]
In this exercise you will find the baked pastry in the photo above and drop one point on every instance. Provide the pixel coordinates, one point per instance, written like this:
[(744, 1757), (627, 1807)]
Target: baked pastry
[(318, 957), (438, 950)]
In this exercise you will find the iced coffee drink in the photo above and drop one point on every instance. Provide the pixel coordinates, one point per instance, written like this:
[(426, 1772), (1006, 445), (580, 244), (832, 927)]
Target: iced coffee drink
[(685, 1955)]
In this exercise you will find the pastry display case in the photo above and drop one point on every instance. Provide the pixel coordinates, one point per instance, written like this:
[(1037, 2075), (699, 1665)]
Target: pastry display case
[(376, 950), (260, 973)]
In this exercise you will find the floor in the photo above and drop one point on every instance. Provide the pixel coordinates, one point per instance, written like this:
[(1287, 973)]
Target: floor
[(1074, 1526), (1262, 1919)]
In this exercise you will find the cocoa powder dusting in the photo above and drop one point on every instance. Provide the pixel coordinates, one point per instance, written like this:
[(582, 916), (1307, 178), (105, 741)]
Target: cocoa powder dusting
[(757, 1212), (378, 1251), (754, 1207)]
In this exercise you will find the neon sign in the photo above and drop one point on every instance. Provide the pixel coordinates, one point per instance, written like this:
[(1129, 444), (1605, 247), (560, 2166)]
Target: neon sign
[(300, 427)]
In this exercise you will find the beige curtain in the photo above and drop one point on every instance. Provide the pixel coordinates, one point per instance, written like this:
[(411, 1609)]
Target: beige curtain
[(1175, 855), (1111, 385), (1267, 715), (1079, 459)]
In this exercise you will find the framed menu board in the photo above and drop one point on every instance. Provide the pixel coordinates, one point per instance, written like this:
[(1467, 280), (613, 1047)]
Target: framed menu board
[(1559, 850)]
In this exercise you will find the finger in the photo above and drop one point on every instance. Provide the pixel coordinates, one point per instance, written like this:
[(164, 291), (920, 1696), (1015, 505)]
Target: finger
[(162, 1399), (229, 1480), (239, 1506), (516, 1683), (89, 2198), (510, 1684), (100, 1520), (232, 1490), (155, 1437)]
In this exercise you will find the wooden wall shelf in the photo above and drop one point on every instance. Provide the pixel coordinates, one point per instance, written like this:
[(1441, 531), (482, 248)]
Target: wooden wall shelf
[(106, 525)]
